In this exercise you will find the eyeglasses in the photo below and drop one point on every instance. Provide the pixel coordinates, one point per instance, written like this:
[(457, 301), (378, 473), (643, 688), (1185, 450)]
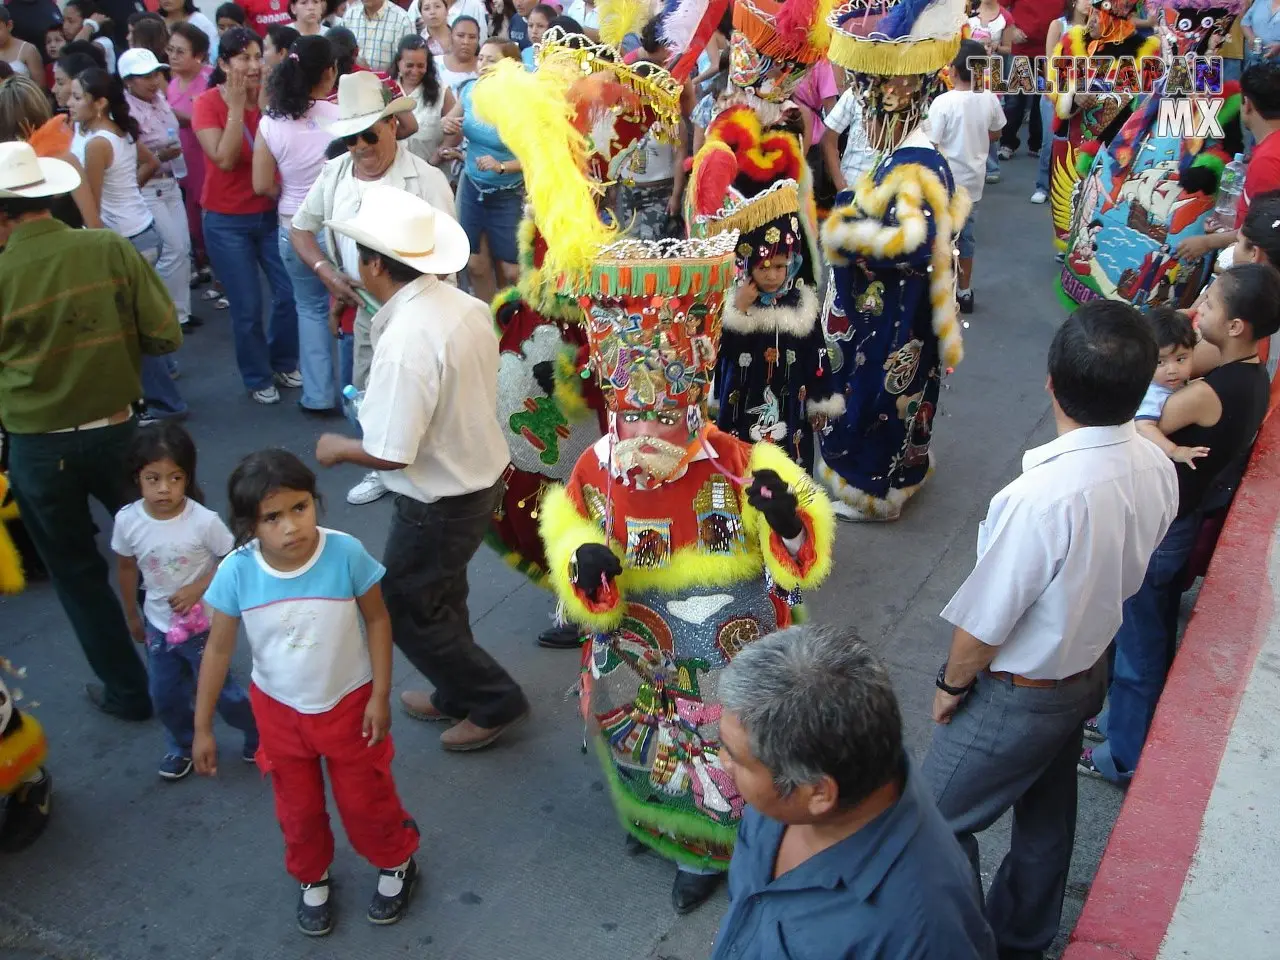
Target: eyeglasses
[(369, 136)]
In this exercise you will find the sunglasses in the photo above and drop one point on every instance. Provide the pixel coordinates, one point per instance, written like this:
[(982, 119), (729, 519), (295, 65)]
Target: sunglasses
[(368, 136)]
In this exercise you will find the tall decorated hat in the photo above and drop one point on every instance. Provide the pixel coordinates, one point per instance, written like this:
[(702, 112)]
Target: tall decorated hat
[(894, 52), (775, 43), (653, 320), (748, 179), (574, 124)]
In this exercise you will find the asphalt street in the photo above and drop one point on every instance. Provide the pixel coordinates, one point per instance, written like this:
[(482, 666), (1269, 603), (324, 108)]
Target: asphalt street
[(522, 857)]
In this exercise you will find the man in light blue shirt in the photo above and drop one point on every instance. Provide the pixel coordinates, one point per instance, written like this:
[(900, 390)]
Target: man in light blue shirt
[(841, 853)]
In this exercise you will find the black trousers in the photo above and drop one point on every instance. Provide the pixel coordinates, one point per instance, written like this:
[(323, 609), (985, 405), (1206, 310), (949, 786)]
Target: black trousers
[(428, 549), (1016, 106)]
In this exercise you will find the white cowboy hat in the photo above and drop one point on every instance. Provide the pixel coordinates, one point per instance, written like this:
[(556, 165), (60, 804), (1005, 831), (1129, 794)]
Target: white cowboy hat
[(23, 174), (362, 102), (406, 228), (138, 62)]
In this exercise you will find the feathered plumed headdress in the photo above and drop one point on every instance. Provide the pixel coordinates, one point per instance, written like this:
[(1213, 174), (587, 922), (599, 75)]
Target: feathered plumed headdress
[(775, 43)]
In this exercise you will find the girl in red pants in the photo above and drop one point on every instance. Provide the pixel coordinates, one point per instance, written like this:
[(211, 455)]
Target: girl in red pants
[(319, 690)]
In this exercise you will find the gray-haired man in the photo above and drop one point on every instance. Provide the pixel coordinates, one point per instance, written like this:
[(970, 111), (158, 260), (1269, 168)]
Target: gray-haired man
[(841, 853)]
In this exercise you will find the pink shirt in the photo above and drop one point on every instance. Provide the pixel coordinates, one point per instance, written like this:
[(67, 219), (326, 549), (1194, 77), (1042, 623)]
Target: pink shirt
[(298, 146), (155, 120), (182, 97), (818, 84)]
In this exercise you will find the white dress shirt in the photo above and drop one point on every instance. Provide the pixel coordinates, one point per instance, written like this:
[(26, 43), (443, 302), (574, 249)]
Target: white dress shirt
[(1063, 546), (432, 395)]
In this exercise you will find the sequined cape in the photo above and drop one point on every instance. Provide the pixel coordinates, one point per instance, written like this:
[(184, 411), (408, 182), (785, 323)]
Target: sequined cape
[(703, 576)]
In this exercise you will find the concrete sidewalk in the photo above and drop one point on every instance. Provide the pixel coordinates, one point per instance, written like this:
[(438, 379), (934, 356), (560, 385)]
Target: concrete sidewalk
[(1190, 871)]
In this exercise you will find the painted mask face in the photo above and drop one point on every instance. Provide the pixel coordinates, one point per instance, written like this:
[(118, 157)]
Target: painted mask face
[(1191, 29), (900, 92), (771, 80)]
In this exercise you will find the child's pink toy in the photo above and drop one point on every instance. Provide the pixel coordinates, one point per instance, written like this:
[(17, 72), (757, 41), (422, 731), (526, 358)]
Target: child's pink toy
[(186, 625)]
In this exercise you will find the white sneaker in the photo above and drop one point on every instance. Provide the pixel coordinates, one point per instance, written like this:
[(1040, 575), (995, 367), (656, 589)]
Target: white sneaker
[(291, 380), (367, 490), (1039, 197), (266, 395)]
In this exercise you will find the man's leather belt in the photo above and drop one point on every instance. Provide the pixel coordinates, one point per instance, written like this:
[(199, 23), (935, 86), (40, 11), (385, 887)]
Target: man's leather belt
[(114, 420), (1020, 681)]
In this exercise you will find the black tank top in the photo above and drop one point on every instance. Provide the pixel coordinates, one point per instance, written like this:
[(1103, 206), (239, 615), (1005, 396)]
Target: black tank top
[(1243, 388)]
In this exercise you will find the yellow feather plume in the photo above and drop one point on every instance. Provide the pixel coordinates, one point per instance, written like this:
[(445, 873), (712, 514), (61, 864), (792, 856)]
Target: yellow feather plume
[(534, 118), (820, 32), (621, 17)]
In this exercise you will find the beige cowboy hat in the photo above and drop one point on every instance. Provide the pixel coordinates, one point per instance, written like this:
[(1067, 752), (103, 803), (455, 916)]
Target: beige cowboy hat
[(362, 102), (406, 228), (23, 174)]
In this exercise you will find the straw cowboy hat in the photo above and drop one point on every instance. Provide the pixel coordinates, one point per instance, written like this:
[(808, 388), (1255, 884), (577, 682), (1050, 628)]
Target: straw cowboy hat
[(362, 102), (23, 174), (406, 228)]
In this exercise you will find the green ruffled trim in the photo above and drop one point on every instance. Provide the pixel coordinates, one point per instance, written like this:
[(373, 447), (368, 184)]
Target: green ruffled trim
[(666, 278), (635, 815)]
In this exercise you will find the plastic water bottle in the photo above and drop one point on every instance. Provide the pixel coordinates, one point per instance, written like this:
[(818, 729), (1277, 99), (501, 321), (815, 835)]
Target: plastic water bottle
[(179, 163), (1230, 186), (353, 397)]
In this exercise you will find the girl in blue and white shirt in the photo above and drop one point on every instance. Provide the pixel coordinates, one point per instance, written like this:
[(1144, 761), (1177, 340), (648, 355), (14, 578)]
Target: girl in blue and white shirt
[(320, 689)]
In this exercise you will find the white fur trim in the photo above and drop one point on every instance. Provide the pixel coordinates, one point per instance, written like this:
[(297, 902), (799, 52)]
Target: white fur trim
[(858, 505), (832, 407), (798, 320)]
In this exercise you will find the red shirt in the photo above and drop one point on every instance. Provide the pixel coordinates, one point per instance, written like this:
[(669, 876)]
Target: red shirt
[(1261, 175), (228, 191), (1033, 18), (260, 14)]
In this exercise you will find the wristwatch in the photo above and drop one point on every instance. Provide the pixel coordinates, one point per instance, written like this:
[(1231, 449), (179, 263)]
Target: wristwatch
[(941, 683)]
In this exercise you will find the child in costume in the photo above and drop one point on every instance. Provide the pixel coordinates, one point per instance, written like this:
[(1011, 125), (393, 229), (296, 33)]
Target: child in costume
[(26, 788), (320, 689), (1145, 194), (773, 376), (676, 544), (890, 317), (173, 542), (1087, 121)]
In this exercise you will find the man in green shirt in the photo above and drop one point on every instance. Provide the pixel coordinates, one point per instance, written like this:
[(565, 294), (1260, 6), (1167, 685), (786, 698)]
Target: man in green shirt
[(78, 309)]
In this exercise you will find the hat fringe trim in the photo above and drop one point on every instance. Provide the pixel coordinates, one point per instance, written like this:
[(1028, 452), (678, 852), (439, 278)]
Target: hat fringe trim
[(891, 58), (778, 202)]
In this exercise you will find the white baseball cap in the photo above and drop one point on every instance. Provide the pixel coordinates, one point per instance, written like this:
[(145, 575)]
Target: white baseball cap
[(138, 62)]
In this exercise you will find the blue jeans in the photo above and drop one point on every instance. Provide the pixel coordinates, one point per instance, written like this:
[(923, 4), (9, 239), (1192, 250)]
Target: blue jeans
[(158, 388), (1046, 151), (238, 245), (494, 214), (1144, 648), (993, 158), (966, 243), (315, 342), (174, 670)]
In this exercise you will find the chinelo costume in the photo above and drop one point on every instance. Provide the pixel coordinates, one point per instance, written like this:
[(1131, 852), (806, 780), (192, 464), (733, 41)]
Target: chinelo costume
[(586, 108), (1145, 193), (773, 375), (890, 313), (674, 570), (1081, 130)]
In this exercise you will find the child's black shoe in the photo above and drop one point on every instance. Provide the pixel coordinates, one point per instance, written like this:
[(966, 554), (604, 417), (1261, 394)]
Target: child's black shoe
[(388, 908), (966, 302), (315, 920)]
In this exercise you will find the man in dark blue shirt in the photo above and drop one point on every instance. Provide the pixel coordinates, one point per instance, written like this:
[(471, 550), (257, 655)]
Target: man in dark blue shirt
[(518, 25), (842, 853)]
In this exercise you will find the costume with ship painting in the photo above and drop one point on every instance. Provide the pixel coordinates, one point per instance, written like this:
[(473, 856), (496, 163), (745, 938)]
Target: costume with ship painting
[(1146, 193), (1087, 121)]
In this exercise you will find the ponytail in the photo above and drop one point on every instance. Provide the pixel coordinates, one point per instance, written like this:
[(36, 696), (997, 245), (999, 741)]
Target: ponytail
[(290, 84), (100, 85)]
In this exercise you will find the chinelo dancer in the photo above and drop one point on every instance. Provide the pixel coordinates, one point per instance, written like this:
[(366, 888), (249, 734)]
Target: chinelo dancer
[(774, 375), (890, 316), (1145, 194), (585, 109), (1088, 121)]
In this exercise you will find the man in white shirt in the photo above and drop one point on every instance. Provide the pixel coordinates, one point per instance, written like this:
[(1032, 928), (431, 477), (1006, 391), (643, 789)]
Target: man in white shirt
[(430, 424), (1061, 549), (858, 157), (964, 122)]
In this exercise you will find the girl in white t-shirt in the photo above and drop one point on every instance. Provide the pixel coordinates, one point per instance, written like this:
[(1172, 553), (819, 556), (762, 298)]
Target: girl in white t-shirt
[(321, 690), (173, 542)]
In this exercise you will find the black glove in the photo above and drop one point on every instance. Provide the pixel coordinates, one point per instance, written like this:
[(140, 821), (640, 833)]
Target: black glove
[(594, 562), (771, 496), (545, 374)]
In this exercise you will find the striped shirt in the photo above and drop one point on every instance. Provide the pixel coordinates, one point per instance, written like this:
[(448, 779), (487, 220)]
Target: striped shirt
[(378, 34)]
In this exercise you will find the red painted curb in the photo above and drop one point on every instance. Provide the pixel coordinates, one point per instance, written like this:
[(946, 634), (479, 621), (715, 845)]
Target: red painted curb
[(1143, 869)]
